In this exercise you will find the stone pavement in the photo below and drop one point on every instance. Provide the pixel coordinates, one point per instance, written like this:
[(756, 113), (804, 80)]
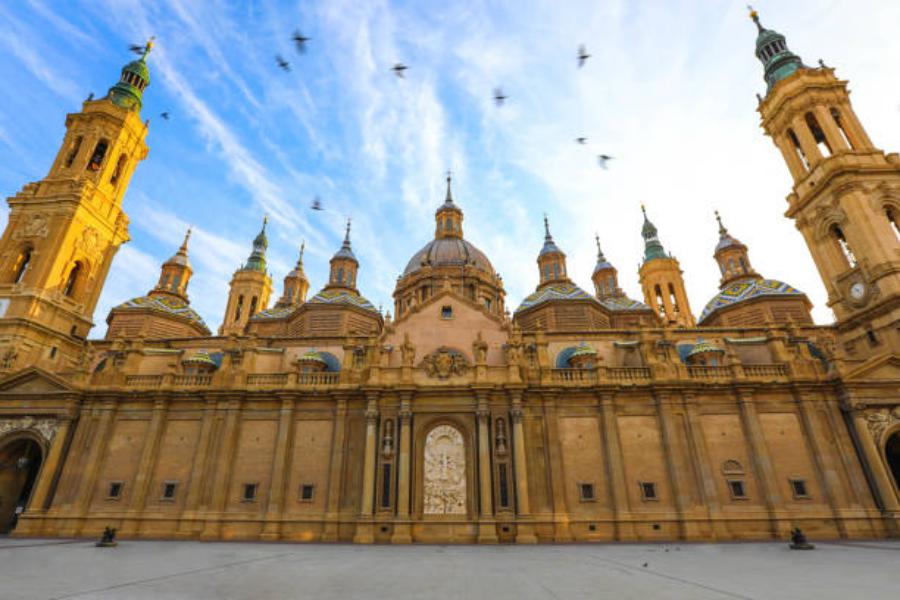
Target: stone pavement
[(45, 569)]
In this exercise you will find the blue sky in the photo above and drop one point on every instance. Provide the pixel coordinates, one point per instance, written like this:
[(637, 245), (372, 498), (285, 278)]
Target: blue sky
[(669, 91)]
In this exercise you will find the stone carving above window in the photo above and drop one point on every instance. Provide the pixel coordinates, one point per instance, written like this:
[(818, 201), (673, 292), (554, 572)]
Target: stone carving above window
[(45, 427), (880, 419), (444, 362), (445, 472), (36, 227)]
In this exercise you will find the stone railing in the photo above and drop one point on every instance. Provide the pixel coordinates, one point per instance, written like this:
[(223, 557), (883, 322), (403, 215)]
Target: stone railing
[(318, 379), (143, 381), (196, 380), (771, 371), (627, 374), (267, 379), (573, 376), (708, 372)]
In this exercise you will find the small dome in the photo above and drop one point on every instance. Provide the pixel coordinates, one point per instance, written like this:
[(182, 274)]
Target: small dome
[(583, 350), (167, 305), (276, 312), (200, 357), (449, 252), (139, 68), (744, 290), (702, 347), (311, 356), (556, 292), (342, 296)]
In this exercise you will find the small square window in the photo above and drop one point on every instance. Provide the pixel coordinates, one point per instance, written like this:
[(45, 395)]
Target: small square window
[(648, 490), (115, 490), (798, 486), (168, 491), (307, 491), (586, 490), (736, 487), (250, 492), (446, 312)]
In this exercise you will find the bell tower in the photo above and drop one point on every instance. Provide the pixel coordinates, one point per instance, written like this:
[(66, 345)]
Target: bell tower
[(65, 229), (846, 195), (251, 287), (662, 281)]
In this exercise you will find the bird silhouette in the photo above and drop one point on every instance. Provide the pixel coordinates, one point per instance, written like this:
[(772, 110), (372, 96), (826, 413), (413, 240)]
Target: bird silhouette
[(398, 69), (283, 64), (499, 96), (142, 48), (164, 115), (316, 204), (602, 159), (645, 564), (582, 56), (581, 140), (300, 41)]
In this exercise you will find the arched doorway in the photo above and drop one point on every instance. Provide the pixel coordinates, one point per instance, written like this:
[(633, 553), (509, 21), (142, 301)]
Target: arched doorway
[(20, 462), (892, 453)]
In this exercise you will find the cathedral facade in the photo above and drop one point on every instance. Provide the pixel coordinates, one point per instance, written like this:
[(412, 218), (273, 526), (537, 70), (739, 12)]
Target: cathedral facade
[(576, 416)]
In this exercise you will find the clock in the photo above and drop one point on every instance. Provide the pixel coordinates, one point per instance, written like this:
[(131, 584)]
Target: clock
[(858, 290)]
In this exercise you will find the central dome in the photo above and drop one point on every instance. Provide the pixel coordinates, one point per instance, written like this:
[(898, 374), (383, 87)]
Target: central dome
[(449, 252)]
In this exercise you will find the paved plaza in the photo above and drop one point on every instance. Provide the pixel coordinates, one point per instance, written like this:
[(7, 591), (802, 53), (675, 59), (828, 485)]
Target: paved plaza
[(45, 569)]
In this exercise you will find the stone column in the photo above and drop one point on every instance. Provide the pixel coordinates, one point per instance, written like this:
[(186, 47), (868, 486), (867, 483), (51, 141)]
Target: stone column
[(221, 477), (561, 530), (487, 527), (877, 467), (199, 473), (765, 472), (804, 136), (402, 534), (615, 470), (678, 467), (146, 464), (364, 525), (92, 465), (280, 468), (795, 165), (709, 494), (336, 469), (830, 128), (524, 528)]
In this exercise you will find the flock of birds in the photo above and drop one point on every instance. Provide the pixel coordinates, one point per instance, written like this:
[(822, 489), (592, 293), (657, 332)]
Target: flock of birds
[(399, 69)]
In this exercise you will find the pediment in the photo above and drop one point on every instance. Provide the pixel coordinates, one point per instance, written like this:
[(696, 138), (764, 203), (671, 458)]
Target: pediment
[(33, 380), (882, 368)]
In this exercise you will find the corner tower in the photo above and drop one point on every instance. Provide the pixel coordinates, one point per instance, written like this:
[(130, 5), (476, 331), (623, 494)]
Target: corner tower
[(64, 230), (251, 287), (661, 280), (846, 194)]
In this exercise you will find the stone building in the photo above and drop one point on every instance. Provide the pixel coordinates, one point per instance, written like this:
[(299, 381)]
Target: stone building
[(580, 416)]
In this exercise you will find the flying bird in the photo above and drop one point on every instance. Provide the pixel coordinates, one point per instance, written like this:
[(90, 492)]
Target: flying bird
[(300, 41), (645, 564), (283, 64), (142, 48), (164, 115), (316, 204), (581, 140), (582, 56), (602, 159), (499, 96), (398, 69)]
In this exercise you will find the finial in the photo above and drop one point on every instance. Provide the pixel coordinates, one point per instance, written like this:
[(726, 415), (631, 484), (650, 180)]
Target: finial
[(755, 17), (302, 248), (265, 222), (600, 257), (449, 198), (347, 235), (722, 230), (187, 236), (148, 47), (644, 210), (546, 227)]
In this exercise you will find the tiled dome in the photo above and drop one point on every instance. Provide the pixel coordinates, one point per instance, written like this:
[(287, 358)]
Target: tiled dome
[(343, 297), (449, 252), (167, 305), (747, 289), (561, 291)]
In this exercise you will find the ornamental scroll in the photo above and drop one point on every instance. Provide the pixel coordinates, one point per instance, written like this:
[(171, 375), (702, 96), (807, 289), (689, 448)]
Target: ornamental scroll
[(880, 419)]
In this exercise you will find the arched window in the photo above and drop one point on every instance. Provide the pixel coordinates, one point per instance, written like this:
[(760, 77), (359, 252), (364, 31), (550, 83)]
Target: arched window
[(796, 144), (555, 270), (176, 281), (743, 262), (673, 299), (889, 213), (660, 304), (22, 265), (99, 154), (340, 275), (253, 303), (72, 280), (76, 146), (730, 265), (239, 308), (818, 134), (164, 281), (117, 172), (722, 267), (836, 115), (610, 284), (844, 247), (546, 272)]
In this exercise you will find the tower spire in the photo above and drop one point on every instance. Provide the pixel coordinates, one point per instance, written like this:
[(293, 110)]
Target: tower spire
[(653, 248), (128, 92), (449, 197), (772, 51), (722, 231), (600, 257)]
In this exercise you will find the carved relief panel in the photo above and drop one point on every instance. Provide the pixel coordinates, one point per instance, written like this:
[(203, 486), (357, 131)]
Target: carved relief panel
[(445, 472)]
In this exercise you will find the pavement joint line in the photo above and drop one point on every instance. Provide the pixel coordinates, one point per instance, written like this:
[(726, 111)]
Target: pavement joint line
[(171, 576), (17, 546), (672, 578), (858, 545)]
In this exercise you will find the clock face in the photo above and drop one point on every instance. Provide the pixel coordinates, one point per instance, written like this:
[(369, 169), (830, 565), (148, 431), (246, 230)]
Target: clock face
[(858, 290)]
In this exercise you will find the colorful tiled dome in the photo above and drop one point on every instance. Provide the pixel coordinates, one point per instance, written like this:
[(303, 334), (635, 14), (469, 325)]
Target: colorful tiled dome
[(276, 312), (167, 305), (747, 289), (560, 291), (311, 356), (201, 357), (702, 347), (341, 296), (583, 350), (622, 303)]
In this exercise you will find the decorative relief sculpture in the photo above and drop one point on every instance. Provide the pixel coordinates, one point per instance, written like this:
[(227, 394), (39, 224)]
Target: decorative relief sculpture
[(445, 472), (444, 362), (8, 359), (387, 444), (45, 427), (89, 244), (34, 228), (880, 419), (407, 351)]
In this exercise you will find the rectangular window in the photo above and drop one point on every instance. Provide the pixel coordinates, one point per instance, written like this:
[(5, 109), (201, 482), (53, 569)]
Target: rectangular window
[(168, 492), (306, 492), (586, 491), (446, 312), (736, 487), (503, 476), (115, 490), (798, 486), (250, 492), (648, 490), (386, 485)]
